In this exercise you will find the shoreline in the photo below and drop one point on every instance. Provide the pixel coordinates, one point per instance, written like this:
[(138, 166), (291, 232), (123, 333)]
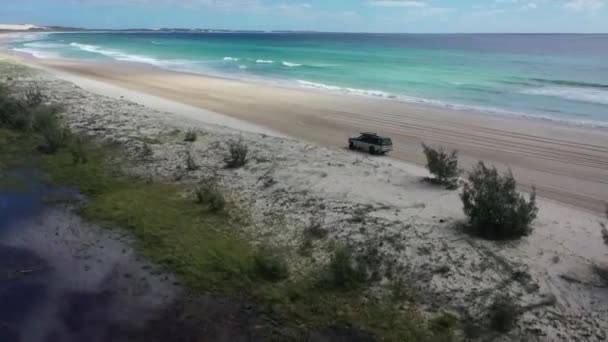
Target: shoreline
[(314, 87), (381, 211), (318, 88), (566, 163)]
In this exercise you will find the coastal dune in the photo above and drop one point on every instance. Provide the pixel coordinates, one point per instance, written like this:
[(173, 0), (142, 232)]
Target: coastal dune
[(566, 163), (372, 204)]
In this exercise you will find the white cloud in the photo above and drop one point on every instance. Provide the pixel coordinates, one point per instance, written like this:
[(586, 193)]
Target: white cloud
[(506, 6), (399, 3), (227, 4), (584, 5), (417, 8)]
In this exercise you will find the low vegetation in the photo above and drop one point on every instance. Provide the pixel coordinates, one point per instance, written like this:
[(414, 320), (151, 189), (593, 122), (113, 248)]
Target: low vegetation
[(314, 231), (503, 315), (33, 96), (54, 137), (190, 136), (237, 154), (496, 210), (190, 163), (605, 228), (344, 272), (601, 269), (445, 324), (270, 266), (78, 150), (443, 166), (209, 194), (30, 114), (146, 152), (201, 247)]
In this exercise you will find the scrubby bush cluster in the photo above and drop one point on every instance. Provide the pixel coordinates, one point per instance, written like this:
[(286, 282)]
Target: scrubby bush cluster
[(604, 228), (191, 136), (443, 166), (270, 266), (33, 96), (600, 269), (344, 271), (209, 194), (29, 113), (146, 152), (503, 314), (314, 231), (237, 154), (494, 207), (78, 151), (190, 163)]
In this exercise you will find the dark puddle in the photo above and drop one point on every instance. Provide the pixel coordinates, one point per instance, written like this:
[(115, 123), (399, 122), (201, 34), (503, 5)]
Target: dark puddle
[(64, 280), (23, 195)]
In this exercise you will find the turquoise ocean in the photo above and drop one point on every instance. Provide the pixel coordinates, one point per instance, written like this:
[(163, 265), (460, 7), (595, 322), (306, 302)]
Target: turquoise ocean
[(550, 76)]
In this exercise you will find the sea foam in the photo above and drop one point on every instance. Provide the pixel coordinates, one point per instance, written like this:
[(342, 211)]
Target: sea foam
[(118, 55), (291, 65), (37, 53), (366, 92), (581, 94), (437, 103)]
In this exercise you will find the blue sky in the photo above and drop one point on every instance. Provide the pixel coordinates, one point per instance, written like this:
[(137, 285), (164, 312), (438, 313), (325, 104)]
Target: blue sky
[(323, 15)]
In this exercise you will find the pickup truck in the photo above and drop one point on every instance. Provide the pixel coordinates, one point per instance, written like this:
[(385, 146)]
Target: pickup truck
[(371, 142)]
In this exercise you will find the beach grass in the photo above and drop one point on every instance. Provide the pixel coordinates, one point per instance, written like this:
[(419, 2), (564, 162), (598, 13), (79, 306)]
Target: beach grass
[(202, 247)]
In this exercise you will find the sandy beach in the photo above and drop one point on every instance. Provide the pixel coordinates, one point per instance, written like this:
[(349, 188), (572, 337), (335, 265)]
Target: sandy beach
[(374, 204), (565, 163)]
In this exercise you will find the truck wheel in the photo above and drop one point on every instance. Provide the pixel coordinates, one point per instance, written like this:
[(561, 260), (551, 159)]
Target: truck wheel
[(372, 150), (351, 146)]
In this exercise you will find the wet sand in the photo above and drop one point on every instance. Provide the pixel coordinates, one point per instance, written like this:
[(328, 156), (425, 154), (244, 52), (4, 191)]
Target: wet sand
[(566, 163)]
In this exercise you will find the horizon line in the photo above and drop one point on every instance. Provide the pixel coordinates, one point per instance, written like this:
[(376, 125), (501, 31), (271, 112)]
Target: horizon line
[(223, 30)]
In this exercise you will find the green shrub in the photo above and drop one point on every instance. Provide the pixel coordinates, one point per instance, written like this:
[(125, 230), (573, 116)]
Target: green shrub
[(190, 136), (443, 326), (443, 166), (44, 116), (21, 119), (190, 163), (78, 150), (237, 154), (306, 247), (344, 272), (54, 137), (27, 113), (494, 207), (604, 228), (13, 114), (209, 194), (33, 97), (315, 231), (4, 98), (270, 266), (503, 314), (217, 203), (146, 152)]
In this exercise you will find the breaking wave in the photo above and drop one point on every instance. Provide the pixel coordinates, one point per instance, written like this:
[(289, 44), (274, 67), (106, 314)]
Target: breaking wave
[(580, 94)]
